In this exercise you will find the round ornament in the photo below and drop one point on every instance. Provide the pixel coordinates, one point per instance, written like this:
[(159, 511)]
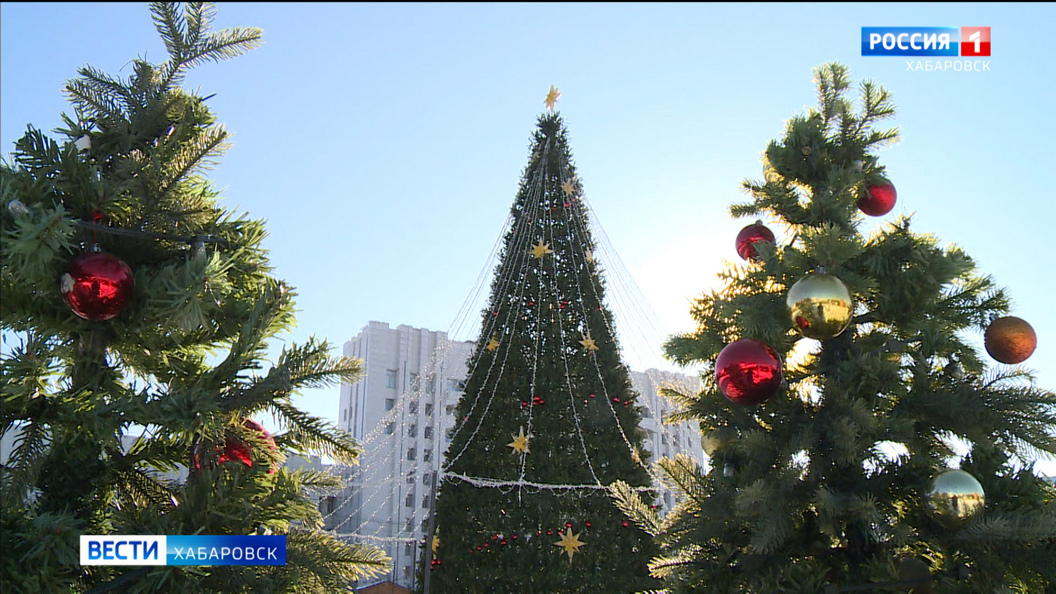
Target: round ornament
[(1010, 340), (820, 305), (748, 371), (917, 573), (237, 451), (749, 236), (877, 200), (953, 498), (97, 286)]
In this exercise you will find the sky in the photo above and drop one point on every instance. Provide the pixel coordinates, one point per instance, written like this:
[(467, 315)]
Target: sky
[(384, 143)]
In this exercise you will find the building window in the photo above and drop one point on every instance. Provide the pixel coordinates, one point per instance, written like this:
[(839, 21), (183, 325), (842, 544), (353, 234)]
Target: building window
[(425, 502), (389, 403), (429, 409), (390, 378), (431, 385), (452, 384), (429, 432), (427, 455), (414, 379), (408, 526), (408, 501), (425, 525), (413, 407), (406, 572), (411, 454), (408, 548), (450, 409), (390, 428), (412, 430)]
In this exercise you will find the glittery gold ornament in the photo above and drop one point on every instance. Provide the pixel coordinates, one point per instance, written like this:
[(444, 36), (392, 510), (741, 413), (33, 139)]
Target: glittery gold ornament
[(953, 498), (820, 305)]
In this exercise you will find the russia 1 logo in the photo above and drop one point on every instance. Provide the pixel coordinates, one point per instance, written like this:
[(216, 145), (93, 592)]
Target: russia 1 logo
[(975, 41)]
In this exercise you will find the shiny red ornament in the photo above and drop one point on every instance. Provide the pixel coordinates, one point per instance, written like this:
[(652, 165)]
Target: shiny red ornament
[(97, 286), (749, 236), (877, 200), (237, 451), (748, 371)]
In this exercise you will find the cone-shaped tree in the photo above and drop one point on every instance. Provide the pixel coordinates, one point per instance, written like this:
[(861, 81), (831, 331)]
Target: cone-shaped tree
[(826, 486), (548, 418), (126, 180)]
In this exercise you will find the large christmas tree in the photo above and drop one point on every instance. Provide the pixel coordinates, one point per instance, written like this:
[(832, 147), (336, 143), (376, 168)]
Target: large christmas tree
[(134, 306), (548, 419), (858, 440)]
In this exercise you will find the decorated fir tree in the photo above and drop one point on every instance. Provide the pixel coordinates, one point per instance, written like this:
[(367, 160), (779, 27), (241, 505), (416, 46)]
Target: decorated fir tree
[(548, 419), (843, 389), (134, 305)]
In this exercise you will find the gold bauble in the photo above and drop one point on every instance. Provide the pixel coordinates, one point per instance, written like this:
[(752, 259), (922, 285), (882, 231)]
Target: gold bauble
[(953, 498), (820, 305)]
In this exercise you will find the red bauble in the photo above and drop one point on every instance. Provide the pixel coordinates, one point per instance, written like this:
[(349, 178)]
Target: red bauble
[(1010, 340), (877, 200), (97, 286), (238, 451), (749, 236), (748, 371)]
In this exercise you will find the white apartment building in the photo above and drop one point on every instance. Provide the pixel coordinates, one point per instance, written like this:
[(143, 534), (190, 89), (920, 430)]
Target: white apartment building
[(401, 411)]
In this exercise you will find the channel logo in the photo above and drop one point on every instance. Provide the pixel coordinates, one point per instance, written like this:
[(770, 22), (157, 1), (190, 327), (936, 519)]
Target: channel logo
[(925, 41), (115, 549)]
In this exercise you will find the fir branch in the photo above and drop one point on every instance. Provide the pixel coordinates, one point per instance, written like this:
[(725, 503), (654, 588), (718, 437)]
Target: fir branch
[(683, 474), (24, 463), (631, 504), (308, 434), (99, 97)]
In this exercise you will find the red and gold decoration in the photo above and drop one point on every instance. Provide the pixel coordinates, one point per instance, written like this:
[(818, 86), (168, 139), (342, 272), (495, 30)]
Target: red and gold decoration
[(1010, 340), (877, 200), (751, 235), (570, 543), (820, 305), (748, 372), (236, 450), (97, 286), (953, 498)]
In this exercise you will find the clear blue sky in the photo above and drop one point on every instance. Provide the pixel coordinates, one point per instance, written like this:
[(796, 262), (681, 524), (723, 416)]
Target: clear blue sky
[(383, 143)]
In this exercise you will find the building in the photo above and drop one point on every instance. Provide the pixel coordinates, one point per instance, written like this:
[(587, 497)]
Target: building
[(401, 411)]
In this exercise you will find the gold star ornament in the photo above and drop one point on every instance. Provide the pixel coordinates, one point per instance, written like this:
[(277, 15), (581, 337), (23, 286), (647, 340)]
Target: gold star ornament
[(541, 249), (519, 443), (568, 187), (492, 344), (551, 98), (588, 343), (436, 543), (570, 543)]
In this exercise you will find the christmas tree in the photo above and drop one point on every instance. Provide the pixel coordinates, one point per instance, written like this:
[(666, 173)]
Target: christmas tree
[(136, 312), (548, 419), (857, 439)]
